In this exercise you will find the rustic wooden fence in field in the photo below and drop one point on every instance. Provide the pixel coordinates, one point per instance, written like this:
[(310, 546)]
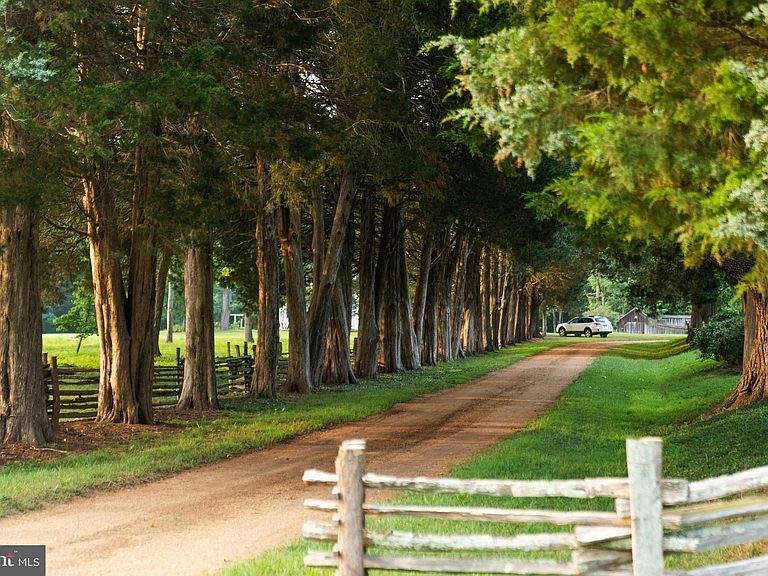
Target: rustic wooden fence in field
[(72, 392), (652, 516)]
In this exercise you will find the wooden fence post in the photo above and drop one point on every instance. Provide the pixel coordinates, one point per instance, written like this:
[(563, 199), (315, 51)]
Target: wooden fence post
[(350, 467), (56, 411), (229, 349), (237, 350), (644, 458)]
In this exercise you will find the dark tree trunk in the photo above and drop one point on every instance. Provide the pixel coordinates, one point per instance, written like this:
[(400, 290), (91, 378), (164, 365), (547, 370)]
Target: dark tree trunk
[(495, 311), (519, 311), (749, 312), (444, 291), (430, 338), (471, 312), (366, 361), (322, 300), (23, 415), (268, 343), (411, 353), (388, 302), (298, 379), (318, 236), (169, 314), (420, 299), (226, 312), (504, 305), (431, 320), (338, 369), (198, 391), (160, 285), (753, 386), (248, 327), (459, 299), (511, 312), (485, 297)]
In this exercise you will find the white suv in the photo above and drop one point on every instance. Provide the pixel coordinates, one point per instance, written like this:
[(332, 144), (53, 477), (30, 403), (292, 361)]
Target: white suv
[(586, 325)]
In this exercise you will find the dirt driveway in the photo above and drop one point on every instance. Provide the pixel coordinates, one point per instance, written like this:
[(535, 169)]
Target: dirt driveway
[(223, 513)]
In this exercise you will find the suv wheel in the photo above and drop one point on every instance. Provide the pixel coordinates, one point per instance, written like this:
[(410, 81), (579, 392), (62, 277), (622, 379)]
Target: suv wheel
[(588, 332), (562, 332)]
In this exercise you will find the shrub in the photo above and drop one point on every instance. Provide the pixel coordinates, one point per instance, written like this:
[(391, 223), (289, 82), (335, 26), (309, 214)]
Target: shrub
[(722, 338)]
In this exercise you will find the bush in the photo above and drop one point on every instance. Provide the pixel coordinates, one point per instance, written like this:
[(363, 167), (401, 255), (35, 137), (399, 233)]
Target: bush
[(722, 338)]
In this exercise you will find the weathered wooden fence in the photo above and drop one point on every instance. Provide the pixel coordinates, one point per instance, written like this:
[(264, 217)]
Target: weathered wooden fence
[(72, 392), (652, 516)]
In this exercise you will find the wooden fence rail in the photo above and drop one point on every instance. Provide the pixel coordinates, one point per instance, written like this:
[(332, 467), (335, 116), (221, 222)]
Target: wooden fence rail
[(652, 516), (72, 392)]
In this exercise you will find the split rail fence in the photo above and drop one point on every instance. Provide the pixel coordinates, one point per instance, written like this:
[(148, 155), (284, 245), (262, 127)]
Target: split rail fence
[(72, 392), (652, 516)]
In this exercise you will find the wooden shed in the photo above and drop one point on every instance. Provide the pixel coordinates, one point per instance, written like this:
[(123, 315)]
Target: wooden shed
[(638, 322)]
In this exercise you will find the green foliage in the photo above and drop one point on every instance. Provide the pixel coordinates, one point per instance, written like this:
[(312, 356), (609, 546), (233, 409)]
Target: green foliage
[(722, 338), (661, 110), (81, 317)]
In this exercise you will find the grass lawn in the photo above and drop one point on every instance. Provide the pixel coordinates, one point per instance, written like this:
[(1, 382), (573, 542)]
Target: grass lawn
[(64, 346), (631, 391), (243, 425)]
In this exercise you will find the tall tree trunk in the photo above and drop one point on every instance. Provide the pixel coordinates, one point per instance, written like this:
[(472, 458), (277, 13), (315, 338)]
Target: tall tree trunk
[(431, 321), (338, 369), (459, 299), (318, 236), (268, 343), (226, 312), (495, 311), (519, 311), (338, 365), (366, 361), (23, 415), (198, 391), (169, 313), (160, 286), (504, 304), (248, 327), (117, 396), (411, 353), (388, 302), (320, 308), (420, 299), (299, 378), (753, 386), (444, 291), (485, 293), (431, 336), (749, 312), (471, 310), (512, 301), (142, 277)]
